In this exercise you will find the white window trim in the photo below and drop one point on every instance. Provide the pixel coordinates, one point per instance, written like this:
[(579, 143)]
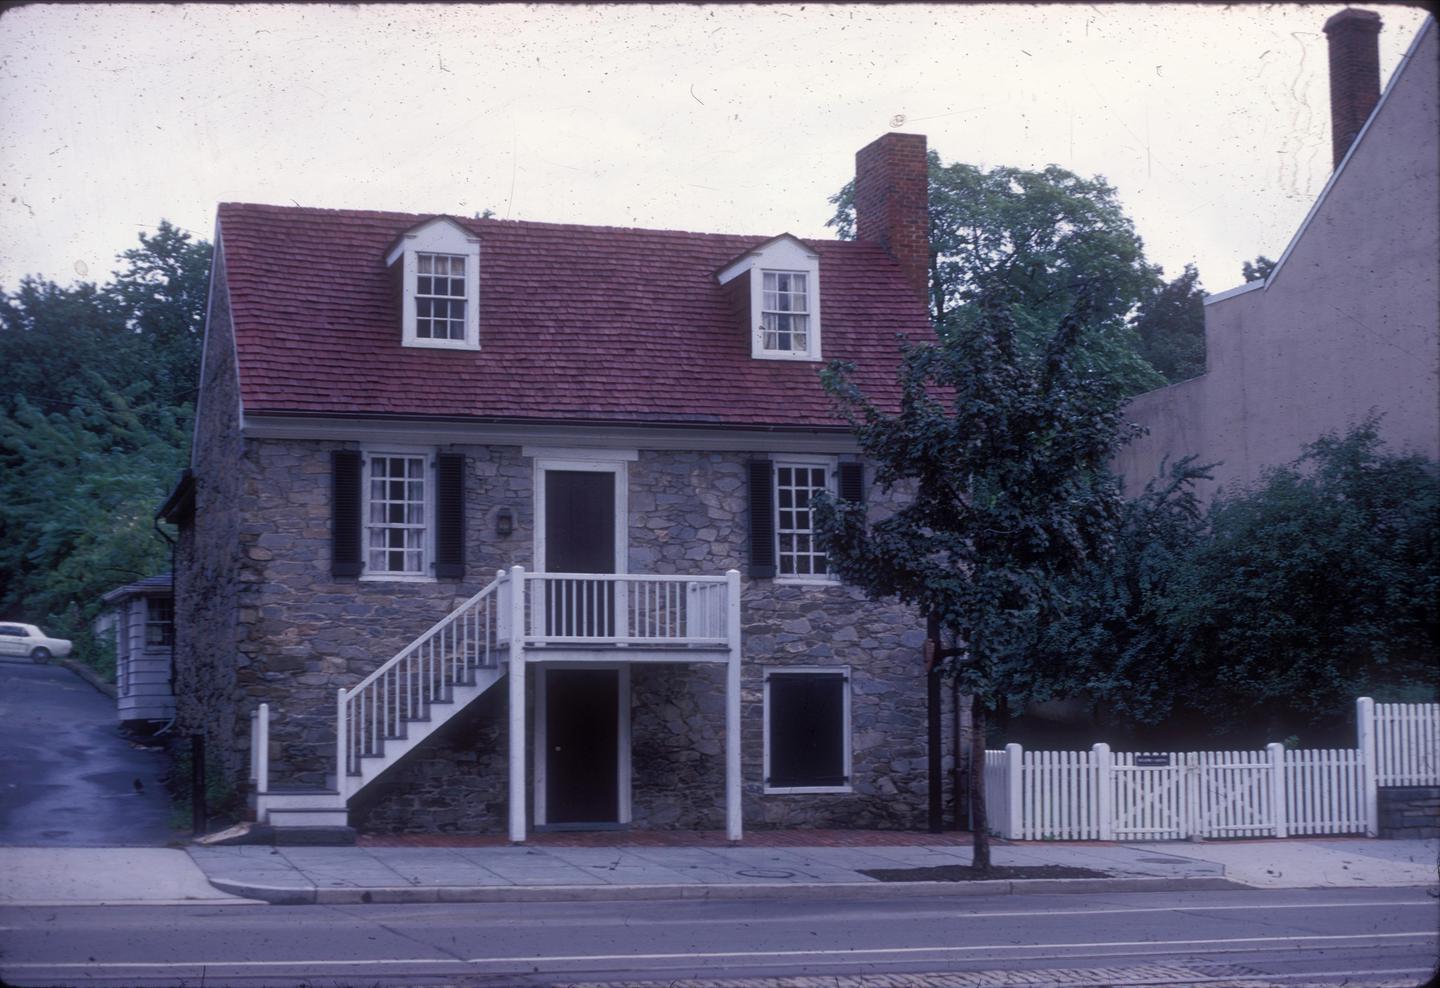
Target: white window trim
[(787, 254), (428, 545), (843, 671), (616, 462), (831, 466), (439, 236)]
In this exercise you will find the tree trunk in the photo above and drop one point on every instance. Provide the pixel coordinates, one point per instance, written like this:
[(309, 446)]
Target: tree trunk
[(980, 858)]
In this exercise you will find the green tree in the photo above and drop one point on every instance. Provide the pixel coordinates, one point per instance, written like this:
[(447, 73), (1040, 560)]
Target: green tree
[(94, 423), (1047, 236), (997, 461), (1266, 615), (1170, 325), (1319, 585), (1258, 270)]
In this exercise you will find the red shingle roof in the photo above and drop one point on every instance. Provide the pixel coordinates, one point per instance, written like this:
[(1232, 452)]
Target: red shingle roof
[(584, 323)]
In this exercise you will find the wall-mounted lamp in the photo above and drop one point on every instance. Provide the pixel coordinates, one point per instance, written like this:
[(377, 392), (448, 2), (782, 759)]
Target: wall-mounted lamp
[(504, 522)]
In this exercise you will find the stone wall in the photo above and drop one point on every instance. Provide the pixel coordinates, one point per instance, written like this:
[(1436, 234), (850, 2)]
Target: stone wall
[(1409, 812), (207, 570), (303, 634)]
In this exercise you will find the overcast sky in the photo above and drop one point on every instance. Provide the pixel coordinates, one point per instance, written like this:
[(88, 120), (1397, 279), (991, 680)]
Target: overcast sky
[(1212, 122)]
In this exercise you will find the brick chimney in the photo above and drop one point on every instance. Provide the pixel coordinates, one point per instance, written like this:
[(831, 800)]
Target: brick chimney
[(892, 195), (1354, 74)]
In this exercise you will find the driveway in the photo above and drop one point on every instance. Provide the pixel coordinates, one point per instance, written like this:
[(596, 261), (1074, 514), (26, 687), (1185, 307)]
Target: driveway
[(67, 776)]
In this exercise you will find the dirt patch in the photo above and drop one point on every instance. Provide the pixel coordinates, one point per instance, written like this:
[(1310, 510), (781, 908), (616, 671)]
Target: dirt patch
[(964, 873)]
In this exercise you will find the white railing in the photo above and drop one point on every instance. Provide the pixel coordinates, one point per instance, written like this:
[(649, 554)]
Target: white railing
[(1325, 792), (619, 609), (260, 749), (1406, 739), (425, 672)]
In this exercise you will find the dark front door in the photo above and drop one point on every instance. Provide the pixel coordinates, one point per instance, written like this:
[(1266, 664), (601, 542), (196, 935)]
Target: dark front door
[(579, 538), (582, 735)]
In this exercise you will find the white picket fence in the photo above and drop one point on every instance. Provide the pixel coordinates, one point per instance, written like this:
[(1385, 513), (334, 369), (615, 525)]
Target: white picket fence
[(1104, 795)]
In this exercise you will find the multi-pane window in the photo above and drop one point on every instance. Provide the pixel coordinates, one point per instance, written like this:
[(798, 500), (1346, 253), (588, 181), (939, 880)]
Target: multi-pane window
[(160, 621), (440, 297), (395, 515), (795, 488), (785, 312)]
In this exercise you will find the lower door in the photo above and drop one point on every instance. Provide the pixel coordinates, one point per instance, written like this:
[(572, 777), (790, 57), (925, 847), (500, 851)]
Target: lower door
[(582, 738)]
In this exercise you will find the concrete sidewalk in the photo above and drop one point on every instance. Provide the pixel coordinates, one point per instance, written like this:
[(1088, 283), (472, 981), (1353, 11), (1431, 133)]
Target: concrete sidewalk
[(296, 875)]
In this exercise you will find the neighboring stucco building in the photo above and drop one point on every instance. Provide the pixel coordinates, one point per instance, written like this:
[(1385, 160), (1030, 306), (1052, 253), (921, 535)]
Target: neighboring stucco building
[(139, 619), (1346, 324), (398, 410)]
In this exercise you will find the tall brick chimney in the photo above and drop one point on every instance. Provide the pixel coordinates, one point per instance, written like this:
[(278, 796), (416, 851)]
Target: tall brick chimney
[(1354, 74), (892, 196)]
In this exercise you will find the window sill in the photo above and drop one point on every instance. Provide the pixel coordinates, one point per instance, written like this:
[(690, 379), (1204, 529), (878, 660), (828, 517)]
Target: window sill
[(808, 581), (441, 344), (777, 355), (396, 578), (808, 790)]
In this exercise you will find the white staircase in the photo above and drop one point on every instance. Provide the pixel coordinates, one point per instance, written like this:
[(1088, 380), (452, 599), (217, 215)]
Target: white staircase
[(394, 709)]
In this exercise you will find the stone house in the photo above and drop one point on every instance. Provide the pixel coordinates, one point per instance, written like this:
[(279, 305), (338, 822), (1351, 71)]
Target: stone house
[(492, 525), (1345, 324), (139, 620)]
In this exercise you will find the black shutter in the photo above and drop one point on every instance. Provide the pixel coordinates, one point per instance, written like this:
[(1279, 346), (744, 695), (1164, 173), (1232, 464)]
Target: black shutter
[(807, 729), (450, 516), (345, 512), (852, 482), (762, 520)]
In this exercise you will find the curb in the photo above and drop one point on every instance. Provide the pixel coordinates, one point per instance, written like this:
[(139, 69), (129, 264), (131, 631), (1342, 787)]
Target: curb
[(90, 676), (405, 894)]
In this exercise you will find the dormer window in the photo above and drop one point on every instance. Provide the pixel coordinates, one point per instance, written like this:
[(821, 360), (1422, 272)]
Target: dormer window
[(439, 274), (785, 312), (775, 291)]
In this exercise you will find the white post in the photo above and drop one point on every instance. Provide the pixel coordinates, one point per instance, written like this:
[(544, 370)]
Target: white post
[(254, 750), (1278, 787), (1369, 769), (517, 704), (342, 743), (733, 809), (1104, 790), (1013, 779)]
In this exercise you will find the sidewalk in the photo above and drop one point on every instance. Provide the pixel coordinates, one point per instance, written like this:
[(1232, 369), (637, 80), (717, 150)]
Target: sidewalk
[(582, 869)]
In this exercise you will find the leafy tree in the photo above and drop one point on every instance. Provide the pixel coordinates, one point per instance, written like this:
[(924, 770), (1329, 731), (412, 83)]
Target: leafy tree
[(1047, 236), (94, 423), (1170, 324), (1258, 270), (1321, 584), (1268, 614), (997, 460)]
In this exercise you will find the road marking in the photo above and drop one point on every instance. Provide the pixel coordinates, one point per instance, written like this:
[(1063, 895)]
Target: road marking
[(1423, 935), (1176, 908)]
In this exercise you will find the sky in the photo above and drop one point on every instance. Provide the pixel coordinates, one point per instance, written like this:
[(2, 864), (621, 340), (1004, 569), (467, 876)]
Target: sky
[(1212, 122)]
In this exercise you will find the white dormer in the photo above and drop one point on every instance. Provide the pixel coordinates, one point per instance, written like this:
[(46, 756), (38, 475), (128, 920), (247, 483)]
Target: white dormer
[(440, 285), (777, 288)]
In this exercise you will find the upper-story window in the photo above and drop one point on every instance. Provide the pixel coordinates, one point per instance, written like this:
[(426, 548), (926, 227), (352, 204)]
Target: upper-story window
[(785, 311), (440, 297), (160, 622), (797, 555), (439, 264), (775, 288), (397, 508)]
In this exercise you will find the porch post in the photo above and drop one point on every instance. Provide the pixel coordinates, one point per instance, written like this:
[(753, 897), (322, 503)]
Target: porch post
[(517, 704), (733, 825)]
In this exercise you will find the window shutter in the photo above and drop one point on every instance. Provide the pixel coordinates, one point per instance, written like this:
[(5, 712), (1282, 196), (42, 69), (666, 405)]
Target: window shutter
[(345, 512), (450, 516), (807, 729), (762, 520), (852, 482)]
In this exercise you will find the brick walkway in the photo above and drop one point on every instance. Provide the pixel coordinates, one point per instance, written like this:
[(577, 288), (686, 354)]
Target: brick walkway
[(680, 838)]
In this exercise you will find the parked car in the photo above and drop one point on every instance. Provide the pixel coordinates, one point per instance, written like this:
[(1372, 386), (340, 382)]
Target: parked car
[(26, 639)]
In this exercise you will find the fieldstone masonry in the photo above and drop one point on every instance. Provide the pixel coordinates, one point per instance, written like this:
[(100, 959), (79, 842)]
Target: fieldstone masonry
[(1409, 812), (299, 634)]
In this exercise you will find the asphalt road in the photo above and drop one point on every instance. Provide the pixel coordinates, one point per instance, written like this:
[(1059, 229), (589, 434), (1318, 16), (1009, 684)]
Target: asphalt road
[(67, 777), (1363, 935)]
